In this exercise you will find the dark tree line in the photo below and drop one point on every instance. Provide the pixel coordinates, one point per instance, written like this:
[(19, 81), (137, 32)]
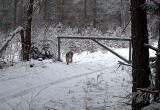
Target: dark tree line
[(101, 14), (140, 66), (140, 55)]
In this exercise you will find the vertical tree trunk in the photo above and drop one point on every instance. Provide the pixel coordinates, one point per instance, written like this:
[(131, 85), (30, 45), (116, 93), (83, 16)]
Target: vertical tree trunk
[(15, 13), (157, 83), (85, 9), (94, 13), (28, 30), (140, 55), (122, 14), (2, 9), (22, 14), (85, 12), (45, 17), (23, 45), (61, 11)]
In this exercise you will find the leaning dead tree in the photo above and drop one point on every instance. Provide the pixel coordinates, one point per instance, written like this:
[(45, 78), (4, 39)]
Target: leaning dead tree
[(6, 42)]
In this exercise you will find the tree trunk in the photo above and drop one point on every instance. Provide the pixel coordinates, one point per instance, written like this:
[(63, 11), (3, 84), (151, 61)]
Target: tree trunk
[(2, 9), (157, 80), (85, 12), (85, 9), (45, 17), (15, 13), (28, 30), (140, 54), (61, 4), (122, 14), (23, 45), (21, 23), (94, 13)]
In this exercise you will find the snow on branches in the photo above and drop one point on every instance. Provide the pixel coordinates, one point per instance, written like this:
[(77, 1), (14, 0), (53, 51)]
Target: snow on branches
[(11, 35)]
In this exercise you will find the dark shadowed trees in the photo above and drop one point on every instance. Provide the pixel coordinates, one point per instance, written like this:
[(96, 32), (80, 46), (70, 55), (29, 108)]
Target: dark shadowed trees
[(140, 55), (157, 79), (28, 31)]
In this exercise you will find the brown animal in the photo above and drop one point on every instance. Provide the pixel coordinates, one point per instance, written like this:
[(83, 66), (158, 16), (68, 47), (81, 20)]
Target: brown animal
[(69, 56)]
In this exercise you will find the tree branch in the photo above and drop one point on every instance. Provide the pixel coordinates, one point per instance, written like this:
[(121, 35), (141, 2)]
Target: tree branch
[(11, 35), (122, 63), (147, 90), (151, 47), (155, 2)]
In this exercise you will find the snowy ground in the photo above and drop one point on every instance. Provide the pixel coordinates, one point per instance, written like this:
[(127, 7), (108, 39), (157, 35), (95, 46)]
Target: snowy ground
[(92, 82)]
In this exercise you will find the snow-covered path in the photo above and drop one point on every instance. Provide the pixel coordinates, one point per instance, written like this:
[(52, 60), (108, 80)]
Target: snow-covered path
[(92, 81)]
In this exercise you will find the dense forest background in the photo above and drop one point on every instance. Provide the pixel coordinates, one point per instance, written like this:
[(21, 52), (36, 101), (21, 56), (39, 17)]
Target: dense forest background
[(100, 14), (51, 18)]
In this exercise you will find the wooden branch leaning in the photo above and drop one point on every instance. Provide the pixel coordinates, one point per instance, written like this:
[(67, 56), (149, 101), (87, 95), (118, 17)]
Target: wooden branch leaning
[(156, 2), (11, 36), (122, 63)]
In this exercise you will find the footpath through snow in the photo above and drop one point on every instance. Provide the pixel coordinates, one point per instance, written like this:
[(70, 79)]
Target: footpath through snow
[(92, 82)]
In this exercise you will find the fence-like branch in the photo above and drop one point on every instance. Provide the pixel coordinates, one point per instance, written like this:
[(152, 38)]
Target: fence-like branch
[(156, 2), (147, 90), (151, 47), (11, 36), (122, 63)]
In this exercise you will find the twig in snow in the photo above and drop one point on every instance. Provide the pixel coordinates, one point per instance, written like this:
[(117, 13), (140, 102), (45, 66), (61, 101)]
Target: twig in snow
[(32, 100), (9, 104)]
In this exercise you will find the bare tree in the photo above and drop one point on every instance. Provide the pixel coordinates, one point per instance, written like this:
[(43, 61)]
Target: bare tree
[(94, 13), (85, 12), (61, 5), (28, 31), (15, 13)]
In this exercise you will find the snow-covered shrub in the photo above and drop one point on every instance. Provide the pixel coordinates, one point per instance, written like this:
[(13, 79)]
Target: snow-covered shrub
[(45, 42), (48, 36)]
